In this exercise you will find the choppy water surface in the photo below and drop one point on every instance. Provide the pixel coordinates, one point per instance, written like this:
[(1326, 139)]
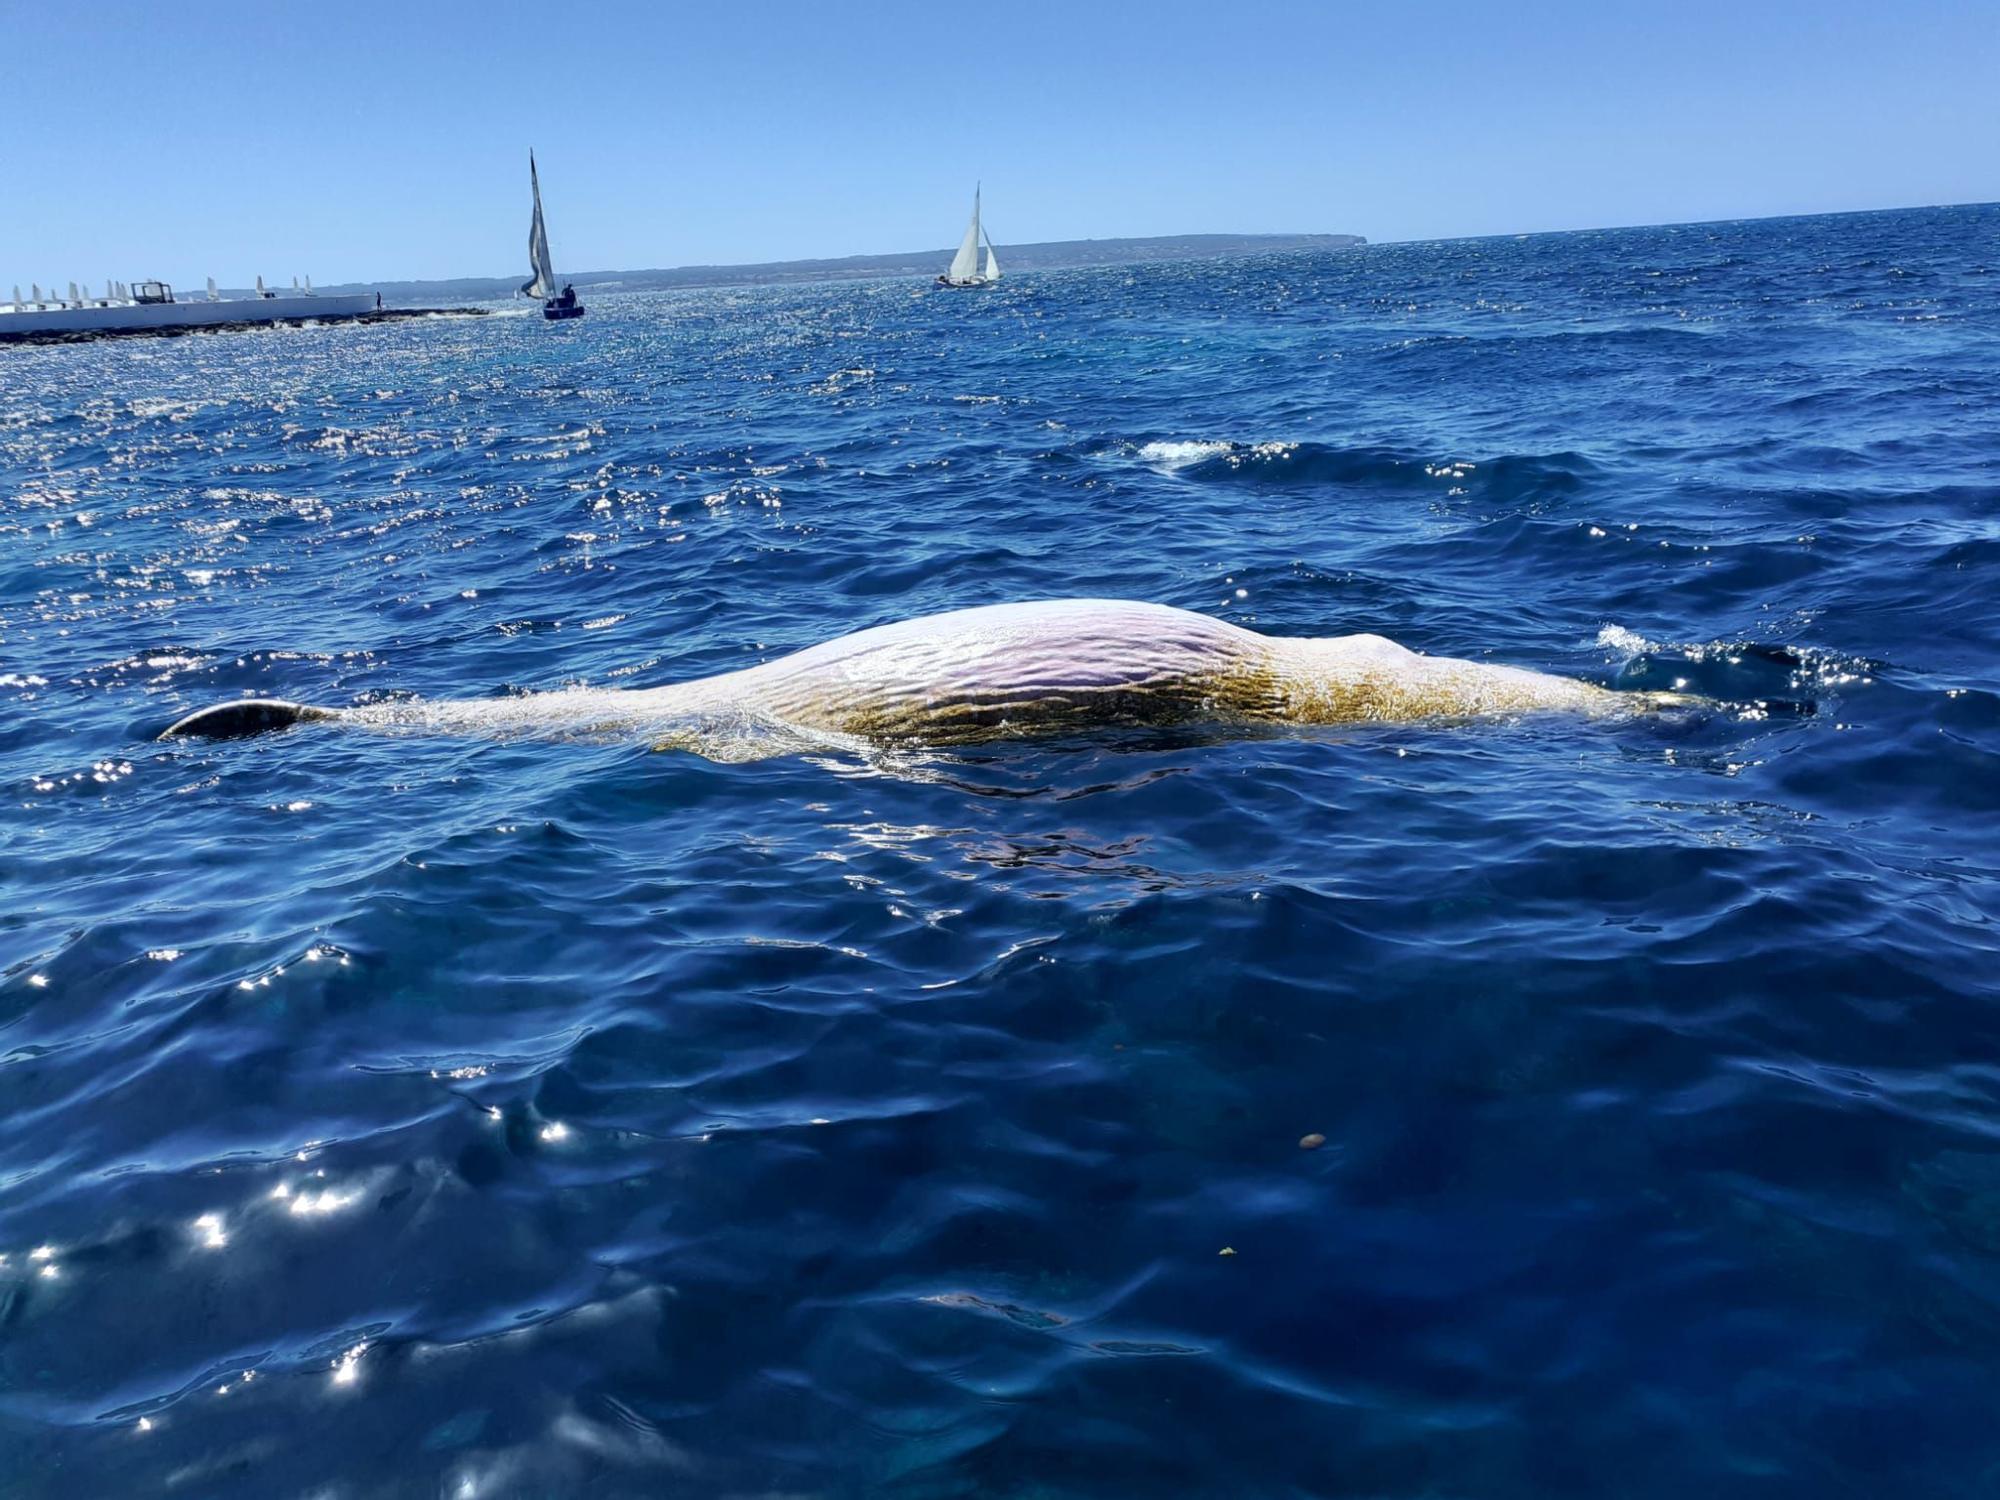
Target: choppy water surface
[(406, 1116)]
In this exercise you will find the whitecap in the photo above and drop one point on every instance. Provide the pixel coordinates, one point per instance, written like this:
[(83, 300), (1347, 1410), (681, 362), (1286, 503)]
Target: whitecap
[(1178, 455), (1625, 642)]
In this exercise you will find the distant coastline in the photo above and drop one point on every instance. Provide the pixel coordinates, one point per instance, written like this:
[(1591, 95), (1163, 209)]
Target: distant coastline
[(1052, 255)]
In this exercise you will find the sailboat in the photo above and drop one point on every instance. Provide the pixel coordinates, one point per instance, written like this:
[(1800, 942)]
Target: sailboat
[(964, 270), (543, 283)]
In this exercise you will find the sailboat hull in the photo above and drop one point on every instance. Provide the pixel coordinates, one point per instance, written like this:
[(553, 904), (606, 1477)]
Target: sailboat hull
[(556, 311), (965, 285)]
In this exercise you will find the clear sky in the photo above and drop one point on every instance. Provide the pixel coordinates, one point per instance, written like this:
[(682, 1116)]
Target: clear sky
[(363, 139)]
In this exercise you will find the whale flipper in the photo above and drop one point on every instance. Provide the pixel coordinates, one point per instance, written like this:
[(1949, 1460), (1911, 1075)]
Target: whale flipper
[(243, 717)]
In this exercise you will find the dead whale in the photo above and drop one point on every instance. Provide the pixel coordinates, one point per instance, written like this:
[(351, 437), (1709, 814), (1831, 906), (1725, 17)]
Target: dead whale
[(1000, 671)]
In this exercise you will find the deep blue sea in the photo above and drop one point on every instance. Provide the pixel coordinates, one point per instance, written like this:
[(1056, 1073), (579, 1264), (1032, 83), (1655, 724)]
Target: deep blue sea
[(392, 1116)]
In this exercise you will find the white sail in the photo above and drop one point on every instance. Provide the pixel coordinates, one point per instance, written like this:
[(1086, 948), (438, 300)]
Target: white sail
[(992, 261), (543, 283), (38, 293), (211, 290), (965, 264)]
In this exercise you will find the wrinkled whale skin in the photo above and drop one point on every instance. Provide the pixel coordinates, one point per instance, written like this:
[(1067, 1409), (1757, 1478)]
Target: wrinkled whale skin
[(1074, 664)]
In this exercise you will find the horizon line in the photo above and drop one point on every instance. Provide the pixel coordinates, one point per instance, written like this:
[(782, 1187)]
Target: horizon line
[(1822, 213), (1366, 242)]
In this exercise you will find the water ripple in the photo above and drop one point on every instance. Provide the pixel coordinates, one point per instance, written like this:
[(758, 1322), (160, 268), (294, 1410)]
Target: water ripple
[(1530, 1109)]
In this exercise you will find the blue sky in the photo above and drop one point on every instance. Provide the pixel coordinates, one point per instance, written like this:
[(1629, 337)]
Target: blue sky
[(368, 140)]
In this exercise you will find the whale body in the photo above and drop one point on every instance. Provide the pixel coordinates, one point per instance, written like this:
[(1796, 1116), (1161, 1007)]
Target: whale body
[(1000, 671)]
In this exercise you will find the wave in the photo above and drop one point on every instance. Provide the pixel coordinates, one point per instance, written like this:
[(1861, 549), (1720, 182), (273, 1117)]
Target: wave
[(1178, 455), (1284, 462), (1771, 675)]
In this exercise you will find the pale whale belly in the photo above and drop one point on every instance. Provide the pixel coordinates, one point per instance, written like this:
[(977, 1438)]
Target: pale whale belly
[(1074, 664), (1014, 669), (1050, 667)]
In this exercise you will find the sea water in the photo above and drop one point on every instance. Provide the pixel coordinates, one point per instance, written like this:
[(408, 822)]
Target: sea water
[(424, 1116)]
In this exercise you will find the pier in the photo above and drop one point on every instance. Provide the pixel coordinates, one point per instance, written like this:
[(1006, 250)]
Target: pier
[(69, 333)]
